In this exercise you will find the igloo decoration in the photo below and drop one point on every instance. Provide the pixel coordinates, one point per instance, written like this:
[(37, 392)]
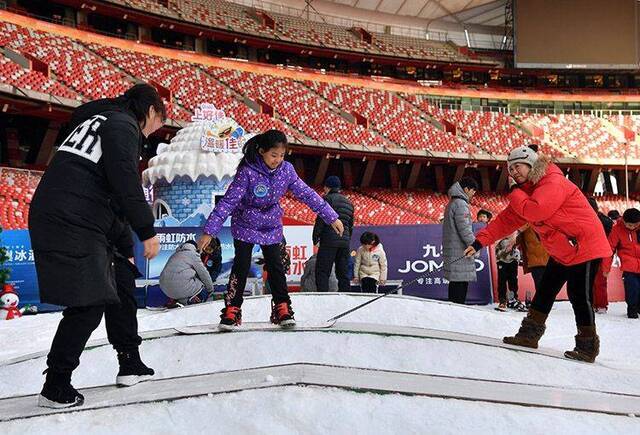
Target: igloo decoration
[(196, 166)]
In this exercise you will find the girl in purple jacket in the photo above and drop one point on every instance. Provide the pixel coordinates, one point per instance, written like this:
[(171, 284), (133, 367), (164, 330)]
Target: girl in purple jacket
[(253, 201)]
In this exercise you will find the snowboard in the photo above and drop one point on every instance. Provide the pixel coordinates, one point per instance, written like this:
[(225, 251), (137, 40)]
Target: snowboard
[(252, 326)]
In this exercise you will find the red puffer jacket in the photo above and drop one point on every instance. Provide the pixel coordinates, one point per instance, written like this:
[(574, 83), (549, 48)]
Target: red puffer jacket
[(558, 212), (625, 242)]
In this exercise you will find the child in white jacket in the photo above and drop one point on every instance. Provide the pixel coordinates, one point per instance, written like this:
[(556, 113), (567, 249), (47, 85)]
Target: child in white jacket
[(371, 263)]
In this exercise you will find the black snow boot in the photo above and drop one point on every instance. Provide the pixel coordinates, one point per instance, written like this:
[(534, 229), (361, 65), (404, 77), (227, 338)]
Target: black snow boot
[(587, 345), (132, 369), (57, 391)]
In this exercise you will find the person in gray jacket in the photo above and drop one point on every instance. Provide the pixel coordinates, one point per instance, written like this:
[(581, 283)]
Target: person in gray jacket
[(185, 278), (308, 279), (457, 232)]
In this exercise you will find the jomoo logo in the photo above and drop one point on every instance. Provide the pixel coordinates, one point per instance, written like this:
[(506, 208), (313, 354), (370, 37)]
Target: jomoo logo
[(428, 263)]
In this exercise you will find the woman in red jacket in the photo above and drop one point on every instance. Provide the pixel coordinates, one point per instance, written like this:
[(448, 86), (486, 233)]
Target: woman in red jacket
[(625, 239), (570, 232)]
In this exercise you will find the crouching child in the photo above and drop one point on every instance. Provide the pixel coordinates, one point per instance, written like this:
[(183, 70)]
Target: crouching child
[(185, 279)]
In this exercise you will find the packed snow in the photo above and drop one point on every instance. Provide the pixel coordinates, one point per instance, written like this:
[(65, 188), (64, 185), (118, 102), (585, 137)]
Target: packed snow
[(304, 410)]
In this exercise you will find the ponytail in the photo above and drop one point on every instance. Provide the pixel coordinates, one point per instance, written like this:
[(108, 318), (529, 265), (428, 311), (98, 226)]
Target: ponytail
[(261, 142)]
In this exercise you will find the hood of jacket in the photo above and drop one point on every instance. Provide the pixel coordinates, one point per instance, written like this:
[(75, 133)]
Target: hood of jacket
[(456, 191), (261, 167), (378, 247), (91, 108), (543, 166), (187, 247)]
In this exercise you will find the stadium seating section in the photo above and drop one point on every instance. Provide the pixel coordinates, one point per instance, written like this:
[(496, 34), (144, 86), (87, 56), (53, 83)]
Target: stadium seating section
[(74, 65), (579, 135), (190, 85), (391, 116), (306, 110), (412, 207), (245, 19), (372, 206), (13, 74), (298, 105), (16, 190)]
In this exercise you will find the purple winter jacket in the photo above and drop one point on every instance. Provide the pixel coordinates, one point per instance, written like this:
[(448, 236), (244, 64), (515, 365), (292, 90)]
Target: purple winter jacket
[(253, 200)]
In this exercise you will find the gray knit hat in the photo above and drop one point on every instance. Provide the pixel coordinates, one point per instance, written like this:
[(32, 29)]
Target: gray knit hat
[(522, 154)]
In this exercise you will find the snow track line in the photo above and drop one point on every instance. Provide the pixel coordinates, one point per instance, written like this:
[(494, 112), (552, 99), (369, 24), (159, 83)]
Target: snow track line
[(146, 335), (340, 327), (333, 376), (393, 331), (165, 332)]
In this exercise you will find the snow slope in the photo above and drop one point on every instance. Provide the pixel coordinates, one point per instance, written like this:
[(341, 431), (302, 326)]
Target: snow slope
[(318, 410)]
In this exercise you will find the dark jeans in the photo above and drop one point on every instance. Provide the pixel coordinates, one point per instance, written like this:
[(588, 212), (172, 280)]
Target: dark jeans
[(458, 291), (631, 291), (78, 323), (579, 279), (326, 257), (507, 275), (368, 285), (240, 270)]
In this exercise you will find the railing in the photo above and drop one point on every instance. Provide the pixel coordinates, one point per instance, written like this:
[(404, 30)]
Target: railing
[(414, 32)]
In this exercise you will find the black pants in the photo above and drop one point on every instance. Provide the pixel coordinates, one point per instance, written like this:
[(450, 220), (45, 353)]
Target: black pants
[(579, 279), (78, 323), (240, 270), (458, 291), (631, 292), (326, 257), (507, 275), (537, 273), (368, 285)]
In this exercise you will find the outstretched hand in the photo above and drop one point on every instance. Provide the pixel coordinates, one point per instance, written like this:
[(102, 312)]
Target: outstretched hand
[(338, 227), (204, 241), (151, 247), (470, 251)]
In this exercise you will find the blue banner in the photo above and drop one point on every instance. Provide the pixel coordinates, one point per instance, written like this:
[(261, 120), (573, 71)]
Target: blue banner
[(415, 249), (411, 250), (21, 265), (172, 237)]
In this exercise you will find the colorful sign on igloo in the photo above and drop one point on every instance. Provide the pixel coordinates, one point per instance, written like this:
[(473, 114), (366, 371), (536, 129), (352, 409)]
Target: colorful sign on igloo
[(221, 134)]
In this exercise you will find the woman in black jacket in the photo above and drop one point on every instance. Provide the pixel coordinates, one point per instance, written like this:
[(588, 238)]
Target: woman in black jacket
[(72, 217)]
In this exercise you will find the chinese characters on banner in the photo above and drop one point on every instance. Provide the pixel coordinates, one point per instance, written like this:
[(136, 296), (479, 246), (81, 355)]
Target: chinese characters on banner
[(21, 265), (300, 248), (298, 255), (412, 250), (221, 133)]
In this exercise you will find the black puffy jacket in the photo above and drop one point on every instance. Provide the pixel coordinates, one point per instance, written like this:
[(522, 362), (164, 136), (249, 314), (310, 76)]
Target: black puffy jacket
[(73, 224), (324, 234), (96, 164)]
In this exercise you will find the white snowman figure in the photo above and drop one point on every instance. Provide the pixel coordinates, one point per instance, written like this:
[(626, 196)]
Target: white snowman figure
[(9, 303)]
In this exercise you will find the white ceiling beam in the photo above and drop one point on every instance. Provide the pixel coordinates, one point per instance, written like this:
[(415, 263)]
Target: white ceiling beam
[(423, 8), (404, 2), (469, 14), (448, 12), (377, 5)]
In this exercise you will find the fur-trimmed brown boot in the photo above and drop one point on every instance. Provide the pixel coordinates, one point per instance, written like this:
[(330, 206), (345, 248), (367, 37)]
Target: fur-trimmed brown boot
[(587, 345), (531, 330)]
